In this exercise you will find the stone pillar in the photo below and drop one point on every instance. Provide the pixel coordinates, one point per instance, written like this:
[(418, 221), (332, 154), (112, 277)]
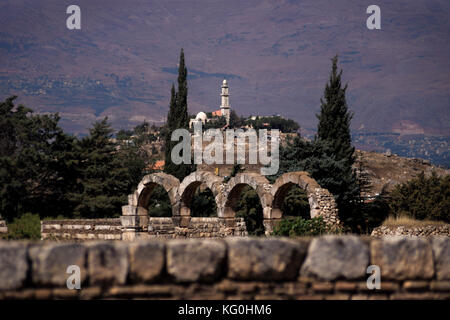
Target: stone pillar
[(181, 216), (327, 207), (134, 220), (3, 227), (269, 224)]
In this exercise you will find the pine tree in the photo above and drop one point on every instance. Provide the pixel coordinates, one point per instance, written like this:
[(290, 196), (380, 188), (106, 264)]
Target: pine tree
[(106, 174), (37, 162), (177, 118)]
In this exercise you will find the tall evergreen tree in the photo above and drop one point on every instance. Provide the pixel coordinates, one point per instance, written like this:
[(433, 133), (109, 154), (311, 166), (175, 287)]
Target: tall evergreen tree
[(334, 130), (177, 118), (169, 166), (182, 111), (334, 117), (329, 158), (106, 174)]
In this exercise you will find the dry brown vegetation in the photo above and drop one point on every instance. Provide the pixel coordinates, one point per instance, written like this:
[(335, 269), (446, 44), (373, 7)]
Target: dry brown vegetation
[(406, 221)]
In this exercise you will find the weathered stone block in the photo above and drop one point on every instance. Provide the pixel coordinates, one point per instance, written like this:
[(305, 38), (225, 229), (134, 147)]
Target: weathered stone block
[(181, 221), (134, 211), (323, 287), (195, 260), (265, 259), (346, 286), (401, 258), (146, 260), (334, 257), (13, 265), (440, 286), (50, 262), (107, 263), (441, 253), (134, 221), (415, 285)]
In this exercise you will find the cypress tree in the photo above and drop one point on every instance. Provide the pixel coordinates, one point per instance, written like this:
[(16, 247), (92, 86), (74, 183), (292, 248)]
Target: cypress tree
[(177, 118), (169, 166), (334, 117), (182, 113), (334, 131)]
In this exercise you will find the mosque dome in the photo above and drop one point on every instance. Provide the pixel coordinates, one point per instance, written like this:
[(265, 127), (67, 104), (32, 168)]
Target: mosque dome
[(201, 116)]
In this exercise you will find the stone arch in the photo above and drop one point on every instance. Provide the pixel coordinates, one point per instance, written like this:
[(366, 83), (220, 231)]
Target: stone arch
[(140, 198), (234, 188), (321, 201), (190, 184)]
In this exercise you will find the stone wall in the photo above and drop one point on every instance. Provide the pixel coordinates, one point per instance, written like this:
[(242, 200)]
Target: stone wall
[(426, 231), (207, 227), (81, 229), (328, 267), (111, 229)]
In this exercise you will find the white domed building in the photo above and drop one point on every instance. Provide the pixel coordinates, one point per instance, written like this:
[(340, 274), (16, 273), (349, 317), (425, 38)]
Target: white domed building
[(201, 116), (225, 108)]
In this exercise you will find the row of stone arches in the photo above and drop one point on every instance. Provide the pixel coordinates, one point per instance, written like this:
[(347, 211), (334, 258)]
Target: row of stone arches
[(271, 196)]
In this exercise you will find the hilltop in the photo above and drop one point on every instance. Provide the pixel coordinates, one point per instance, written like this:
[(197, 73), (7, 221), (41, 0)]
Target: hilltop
[(385, 169)]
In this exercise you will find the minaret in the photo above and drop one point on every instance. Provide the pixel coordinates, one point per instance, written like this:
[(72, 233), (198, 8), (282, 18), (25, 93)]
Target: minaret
[(225, 106)]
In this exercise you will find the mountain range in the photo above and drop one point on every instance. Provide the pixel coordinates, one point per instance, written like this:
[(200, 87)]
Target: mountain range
[(274, 54)]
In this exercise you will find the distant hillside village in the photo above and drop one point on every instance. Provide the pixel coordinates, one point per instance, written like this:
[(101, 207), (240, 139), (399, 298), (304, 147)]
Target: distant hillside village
[(151, 137), (225, 117)]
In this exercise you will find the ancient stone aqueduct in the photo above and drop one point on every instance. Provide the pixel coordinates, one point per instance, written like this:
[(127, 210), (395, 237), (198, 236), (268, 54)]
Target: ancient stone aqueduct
[(137, 223)]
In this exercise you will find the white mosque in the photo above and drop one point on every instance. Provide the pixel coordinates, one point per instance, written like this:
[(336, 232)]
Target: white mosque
[(223, 111)]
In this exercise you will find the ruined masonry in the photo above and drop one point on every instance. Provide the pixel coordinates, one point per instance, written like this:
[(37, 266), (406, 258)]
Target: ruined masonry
[(136, 222), (327, 267)]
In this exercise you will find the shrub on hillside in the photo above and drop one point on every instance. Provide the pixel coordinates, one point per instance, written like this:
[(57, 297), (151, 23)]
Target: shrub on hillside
[(422, 198), (297, 226), (27, 226)]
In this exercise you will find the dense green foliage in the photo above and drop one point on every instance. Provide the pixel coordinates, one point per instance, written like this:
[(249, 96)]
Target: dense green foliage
[(177, 118), (38, 162), (49, 173), (105, 176), (203, 204), (298, 226), (159, 203), (215, 122), (295, 203), (422, 198), (275, 122), (27, 226), (249, 208), (124, 134)]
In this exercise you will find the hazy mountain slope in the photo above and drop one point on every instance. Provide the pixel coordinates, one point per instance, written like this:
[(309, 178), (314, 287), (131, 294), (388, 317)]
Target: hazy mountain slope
[(274, 53)]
